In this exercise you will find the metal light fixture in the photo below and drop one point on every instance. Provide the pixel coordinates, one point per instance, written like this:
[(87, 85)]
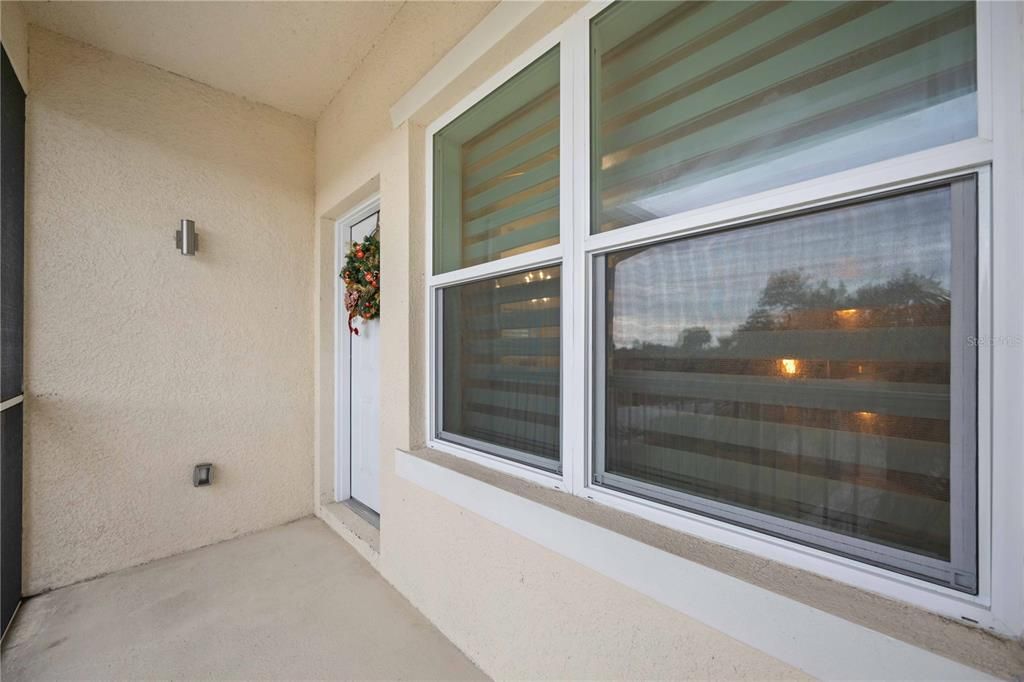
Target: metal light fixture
[(186, 239)]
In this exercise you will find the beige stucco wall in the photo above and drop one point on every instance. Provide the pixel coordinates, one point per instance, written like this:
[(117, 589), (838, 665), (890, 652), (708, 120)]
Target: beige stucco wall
[(517, 609), (521, 611), (14, 36), (141, 362)]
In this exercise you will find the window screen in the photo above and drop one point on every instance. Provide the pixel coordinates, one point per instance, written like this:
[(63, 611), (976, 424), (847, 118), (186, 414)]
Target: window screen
[(501, 366), (812, 377)]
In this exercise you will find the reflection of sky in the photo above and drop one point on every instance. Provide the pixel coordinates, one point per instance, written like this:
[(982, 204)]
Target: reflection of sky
[(715, 281), (932, 126)]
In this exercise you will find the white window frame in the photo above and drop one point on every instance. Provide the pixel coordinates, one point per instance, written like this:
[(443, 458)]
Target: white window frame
[(1000, 590), (558, 254)]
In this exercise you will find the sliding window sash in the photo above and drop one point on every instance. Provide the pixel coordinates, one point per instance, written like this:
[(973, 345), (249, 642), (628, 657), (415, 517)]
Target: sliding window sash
[(516, 249), (961, 571)]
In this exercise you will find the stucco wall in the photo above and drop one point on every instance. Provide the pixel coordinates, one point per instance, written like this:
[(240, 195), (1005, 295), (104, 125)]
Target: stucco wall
[(517, 609), (521, 611), (141, 362), (14, 35)]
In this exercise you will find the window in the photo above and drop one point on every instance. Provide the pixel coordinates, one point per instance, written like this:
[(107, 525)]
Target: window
[(497, 195), (501, 365), (496, 166), (735, 291), (697, 102), (794, 376)]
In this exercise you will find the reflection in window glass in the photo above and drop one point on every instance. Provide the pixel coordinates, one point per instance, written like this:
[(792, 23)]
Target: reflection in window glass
[(501, 365), (699, 102), (800, 369), (496, 172)]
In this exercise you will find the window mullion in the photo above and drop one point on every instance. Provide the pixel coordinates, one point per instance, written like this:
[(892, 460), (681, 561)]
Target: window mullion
[(576, 221), (550, 255)]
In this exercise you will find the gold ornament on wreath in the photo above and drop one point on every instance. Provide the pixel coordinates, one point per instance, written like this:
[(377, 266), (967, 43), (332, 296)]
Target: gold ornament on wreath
[(361, 275)]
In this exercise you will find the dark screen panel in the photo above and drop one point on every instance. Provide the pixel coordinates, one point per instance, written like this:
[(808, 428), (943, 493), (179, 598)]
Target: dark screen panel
[(12, 239), (10, 512), (12, 293)]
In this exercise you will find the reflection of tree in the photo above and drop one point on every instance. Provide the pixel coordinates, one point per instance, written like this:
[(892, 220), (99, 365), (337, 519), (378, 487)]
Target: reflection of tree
[(782, 333), (788, 291), (908, 300), (790, 300), (694, 338)]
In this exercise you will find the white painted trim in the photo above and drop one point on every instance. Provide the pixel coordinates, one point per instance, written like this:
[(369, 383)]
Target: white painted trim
[(570, 110), (1005, 390), (816, 642), (492, 28), (11, 402), (342, 408), (983, 24), (430, 300)]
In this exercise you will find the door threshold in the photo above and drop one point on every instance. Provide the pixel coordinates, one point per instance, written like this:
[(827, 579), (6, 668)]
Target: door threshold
[(363, 512)]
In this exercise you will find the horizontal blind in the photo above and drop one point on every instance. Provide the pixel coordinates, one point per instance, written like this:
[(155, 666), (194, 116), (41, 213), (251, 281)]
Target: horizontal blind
[(496, 172), (799, 368), (699, 102), (501, 364)]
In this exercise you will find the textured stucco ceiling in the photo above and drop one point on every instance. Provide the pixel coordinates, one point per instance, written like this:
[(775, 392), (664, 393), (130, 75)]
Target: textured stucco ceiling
[(290, 55)]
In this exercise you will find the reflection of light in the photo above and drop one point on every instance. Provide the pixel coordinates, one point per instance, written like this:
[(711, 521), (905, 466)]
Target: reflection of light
[(789, 366), (545, 299), (866, 416), (849, 316), (533, 300)]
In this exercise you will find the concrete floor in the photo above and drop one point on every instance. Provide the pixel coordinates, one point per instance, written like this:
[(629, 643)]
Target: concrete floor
[(292, 602)]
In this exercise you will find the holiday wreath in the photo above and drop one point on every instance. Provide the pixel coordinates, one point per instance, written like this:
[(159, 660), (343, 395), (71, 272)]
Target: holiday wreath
[(362, 281)]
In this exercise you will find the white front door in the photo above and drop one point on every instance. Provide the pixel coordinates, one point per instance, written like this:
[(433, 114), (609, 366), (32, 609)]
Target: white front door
[(363, 360)]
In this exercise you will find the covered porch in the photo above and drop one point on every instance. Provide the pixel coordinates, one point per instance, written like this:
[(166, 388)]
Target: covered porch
[(293, 602)]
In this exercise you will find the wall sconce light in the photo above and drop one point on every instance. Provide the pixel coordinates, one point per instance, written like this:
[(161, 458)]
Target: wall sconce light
[(185, 239), (202, 475)]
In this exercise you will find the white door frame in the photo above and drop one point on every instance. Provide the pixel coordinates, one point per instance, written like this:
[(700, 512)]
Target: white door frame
[(342, 349)]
